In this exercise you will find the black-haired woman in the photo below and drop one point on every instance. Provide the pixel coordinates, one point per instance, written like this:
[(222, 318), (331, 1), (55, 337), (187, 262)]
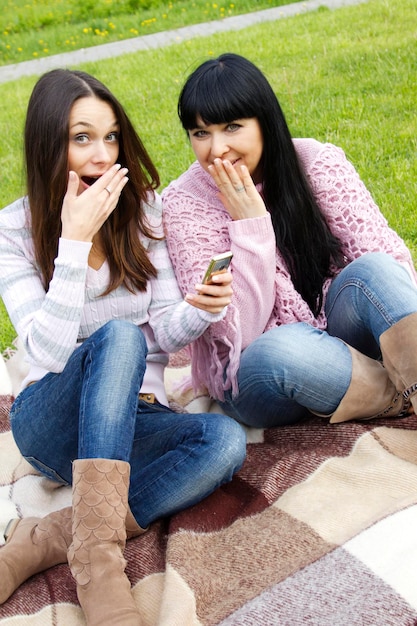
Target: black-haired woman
[(323, 288)]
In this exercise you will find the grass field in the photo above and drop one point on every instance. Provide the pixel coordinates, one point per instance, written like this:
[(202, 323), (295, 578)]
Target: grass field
[(345, 76), (32, 29)]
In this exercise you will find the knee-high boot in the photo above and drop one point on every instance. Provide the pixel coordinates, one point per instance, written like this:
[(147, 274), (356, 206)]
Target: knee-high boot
[(399, 354), (33, 545), (95, 557), (371, 393), (36, 544)]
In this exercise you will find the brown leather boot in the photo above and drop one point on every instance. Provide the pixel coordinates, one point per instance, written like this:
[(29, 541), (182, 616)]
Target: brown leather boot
[(33, 545), (371, 393), (95, 557), (399, 354)]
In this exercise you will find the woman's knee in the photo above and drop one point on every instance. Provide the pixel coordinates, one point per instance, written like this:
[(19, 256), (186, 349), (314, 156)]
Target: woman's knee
[(123, 333), (278, 348), (373, 265), (121, 340)]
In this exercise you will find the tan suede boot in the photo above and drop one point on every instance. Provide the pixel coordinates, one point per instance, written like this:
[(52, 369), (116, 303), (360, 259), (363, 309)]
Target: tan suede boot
[(33, 545), (132, 527), (371, 393), (95, 557), (399, 354)]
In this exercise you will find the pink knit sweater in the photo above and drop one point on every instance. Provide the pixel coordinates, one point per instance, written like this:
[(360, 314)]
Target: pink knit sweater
[(198, 226)]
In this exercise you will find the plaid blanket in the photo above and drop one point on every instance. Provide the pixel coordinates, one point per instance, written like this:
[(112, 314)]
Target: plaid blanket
[(318, 527)]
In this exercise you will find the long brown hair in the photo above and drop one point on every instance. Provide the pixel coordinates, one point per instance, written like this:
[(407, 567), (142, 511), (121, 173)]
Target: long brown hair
[(46, 158)]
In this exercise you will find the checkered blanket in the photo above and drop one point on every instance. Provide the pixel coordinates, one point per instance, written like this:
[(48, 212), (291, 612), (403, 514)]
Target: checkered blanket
[(319, 527)]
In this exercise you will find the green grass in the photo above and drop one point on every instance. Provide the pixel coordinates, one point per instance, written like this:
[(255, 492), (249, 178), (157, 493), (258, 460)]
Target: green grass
[(345, 76), (32, 29)]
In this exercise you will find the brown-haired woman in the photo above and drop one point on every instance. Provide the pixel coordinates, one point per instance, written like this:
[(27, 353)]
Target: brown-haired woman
[(87, 282)]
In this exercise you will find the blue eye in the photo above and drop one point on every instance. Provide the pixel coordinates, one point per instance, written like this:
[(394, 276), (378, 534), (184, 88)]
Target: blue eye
[(114, 136), (81, 138)]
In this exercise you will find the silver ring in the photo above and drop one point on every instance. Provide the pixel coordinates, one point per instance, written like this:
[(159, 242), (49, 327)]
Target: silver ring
[(108, 190), (239, 189)]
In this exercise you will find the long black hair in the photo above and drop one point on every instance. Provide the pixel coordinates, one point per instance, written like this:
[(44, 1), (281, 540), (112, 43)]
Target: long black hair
[(229, 88)]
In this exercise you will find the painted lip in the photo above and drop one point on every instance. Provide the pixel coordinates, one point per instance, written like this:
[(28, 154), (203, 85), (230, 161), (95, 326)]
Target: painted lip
[(232, 161)]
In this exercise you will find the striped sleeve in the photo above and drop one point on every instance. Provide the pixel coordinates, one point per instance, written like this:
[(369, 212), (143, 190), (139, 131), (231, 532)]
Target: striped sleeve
[(174, 322), (47, 322)]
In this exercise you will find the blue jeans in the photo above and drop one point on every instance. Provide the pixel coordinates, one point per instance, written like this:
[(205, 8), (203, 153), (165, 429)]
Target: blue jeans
[(295, 368), (92, 410)]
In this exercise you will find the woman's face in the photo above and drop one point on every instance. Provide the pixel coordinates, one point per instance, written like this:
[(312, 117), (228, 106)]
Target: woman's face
[(93, 140), (239, 141)]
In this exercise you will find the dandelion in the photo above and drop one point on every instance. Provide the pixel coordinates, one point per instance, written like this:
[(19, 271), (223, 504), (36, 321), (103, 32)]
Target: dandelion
[(148, 22)]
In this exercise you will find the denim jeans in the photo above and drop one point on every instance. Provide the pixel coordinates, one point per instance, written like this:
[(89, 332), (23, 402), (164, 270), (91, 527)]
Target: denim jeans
[(92, 410), (295, 368)]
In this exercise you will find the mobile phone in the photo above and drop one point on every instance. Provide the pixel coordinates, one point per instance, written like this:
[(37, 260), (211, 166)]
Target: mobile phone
[(218, 264)]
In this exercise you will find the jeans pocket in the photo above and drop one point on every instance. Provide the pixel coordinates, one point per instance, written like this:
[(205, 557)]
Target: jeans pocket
[(46, 471)]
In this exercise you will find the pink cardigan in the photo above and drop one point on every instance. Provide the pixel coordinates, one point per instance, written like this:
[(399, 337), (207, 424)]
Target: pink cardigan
[(197, 226)]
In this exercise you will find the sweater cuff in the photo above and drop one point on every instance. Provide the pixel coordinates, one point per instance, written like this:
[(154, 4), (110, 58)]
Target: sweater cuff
[(252, 226), (212, 317), (73, 251)]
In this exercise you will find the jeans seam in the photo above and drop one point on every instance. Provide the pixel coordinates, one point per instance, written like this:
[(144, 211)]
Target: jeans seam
[(355, 282)]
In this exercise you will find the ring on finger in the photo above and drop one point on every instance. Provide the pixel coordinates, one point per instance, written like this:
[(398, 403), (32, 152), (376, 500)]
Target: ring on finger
[(240, 188), (108, 190)]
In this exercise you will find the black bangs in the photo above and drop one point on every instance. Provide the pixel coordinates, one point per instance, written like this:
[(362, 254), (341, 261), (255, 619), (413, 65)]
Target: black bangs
[(214, 96)]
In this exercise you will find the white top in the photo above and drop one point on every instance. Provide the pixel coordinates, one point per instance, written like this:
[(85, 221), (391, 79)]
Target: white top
[(51, 324)]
